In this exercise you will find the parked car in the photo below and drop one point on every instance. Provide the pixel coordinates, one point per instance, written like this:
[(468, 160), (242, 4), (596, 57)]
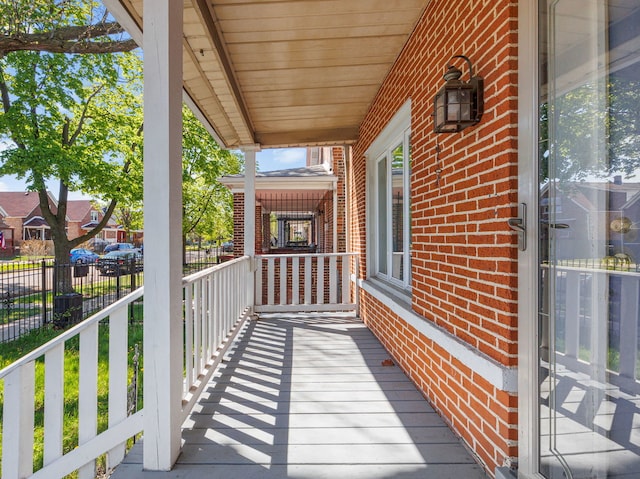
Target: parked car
[(97, 244), (82, 256), (227, 247), (119, 247), (120, 262)]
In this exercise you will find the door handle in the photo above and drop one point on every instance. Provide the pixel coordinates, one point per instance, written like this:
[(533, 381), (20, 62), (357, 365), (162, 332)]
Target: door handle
[(558, 226), (519, 225)]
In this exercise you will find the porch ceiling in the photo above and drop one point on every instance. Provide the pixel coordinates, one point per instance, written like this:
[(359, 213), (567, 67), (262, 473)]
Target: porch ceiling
[(288, 72)]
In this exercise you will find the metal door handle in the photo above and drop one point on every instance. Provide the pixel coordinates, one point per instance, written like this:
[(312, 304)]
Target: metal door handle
[(558, 226), (519, 225)]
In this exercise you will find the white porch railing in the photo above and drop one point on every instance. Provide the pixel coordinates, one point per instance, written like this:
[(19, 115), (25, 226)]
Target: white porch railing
[(19, 403), (584, 292), (306, 282), (216, 303)]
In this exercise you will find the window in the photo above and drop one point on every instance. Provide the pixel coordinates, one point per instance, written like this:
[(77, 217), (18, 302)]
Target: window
[(388, 220), (94, 216)]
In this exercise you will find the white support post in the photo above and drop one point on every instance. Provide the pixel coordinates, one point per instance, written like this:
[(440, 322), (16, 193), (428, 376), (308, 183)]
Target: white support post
[(163, 225), (250, 201), (250, 211)]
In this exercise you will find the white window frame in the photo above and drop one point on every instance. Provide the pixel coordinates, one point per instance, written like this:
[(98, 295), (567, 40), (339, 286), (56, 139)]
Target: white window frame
[(397, 132), (94, 215)]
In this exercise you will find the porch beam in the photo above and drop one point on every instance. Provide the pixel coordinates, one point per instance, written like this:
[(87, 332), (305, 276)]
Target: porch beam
[(162, 45)]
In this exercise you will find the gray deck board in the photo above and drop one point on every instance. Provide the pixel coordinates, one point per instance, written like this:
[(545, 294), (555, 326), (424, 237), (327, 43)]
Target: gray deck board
[(308, 397)]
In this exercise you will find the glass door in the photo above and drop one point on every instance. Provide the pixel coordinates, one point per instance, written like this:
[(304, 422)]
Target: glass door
[(589, 251)]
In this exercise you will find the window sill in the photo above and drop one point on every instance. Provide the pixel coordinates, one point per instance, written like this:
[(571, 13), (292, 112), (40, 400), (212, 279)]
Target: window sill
[(399, 295)]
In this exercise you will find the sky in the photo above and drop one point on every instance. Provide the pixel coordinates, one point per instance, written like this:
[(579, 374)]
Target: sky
[(281, 158), (268, 160)]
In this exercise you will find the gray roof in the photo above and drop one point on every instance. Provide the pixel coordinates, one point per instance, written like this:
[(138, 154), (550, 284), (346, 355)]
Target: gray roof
[(317, 171)]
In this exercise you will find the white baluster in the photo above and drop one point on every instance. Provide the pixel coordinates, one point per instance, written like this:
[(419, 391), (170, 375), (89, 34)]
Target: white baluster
[(188, 337), (283, 280), (333, 279), (320, 281), (88, 394), (258, 281), (307, 280), (53, 403), (17, 432), (630, 297), (295, 280), (270, 281), (118, 377)]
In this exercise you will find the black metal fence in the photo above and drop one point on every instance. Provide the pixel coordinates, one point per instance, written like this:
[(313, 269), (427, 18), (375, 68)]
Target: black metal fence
[(29, 298)]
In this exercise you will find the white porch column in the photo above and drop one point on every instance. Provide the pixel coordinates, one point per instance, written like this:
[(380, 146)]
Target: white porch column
[(163, 232), (250, 200)]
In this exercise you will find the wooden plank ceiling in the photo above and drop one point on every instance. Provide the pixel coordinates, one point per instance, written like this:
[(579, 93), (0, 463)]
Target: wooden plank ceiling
[(281, 73)]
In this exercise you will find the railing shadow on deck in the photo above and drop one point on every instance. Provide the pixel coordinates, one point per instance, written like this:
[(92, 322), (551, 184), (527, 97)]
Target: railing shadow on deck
[(284, 404)]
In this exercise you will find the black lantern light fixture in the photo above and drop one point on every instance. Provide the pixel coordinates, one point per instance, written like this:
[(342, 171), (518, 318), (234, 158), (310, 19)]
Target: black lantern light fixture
[(458, 104)]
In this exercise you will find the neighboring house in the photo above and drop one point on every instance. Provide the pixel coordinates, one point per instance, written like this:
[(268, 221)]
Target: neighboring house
[(83, 216), (21, 211), (578, 207), (23, 214)]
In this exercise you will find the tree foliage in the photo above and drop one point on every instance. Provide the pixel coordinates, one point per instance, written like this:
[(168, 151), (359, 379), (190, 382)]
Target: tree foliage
[(595, 129), (207, 204), (73, 117), (71, 92), (129, 216)]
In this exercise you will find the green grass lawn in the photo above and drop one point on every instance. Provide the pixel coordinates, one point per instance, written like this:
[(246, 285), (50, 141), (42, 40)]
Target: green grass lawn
[(24, 263), (10, 352)]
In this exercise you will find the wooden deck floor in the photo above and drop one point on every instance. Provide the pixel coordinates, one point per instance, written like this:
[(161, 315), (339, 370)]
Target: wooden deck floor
[(305, 396)]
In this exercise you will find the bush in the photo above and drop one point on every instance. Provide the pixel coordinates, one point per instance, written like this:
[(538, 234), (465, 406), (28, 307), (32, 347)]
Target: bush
[(36, 248)]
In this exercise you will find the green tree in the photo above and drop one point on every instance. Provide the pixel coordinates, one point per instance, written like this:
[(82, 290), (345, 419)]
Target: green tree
[(593, 118), (71, 108), (207, 204), (129, 216)]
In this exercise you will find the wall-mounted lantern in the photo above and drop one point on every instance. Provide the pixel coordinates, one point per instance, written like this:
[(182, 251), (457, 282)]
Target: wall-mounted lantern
[(458, 104)]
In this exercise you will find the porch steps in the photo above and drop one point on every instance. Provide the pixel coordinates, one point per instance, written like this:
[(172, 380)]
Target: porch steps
[(308, 396)]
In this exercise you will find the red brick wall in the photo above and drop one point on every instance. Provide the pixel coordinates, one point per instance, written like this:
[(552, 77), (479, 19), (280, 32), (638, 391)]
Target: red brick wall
[(464, 256), (326, 223), (74, 230), (238, 224), (338, 154)]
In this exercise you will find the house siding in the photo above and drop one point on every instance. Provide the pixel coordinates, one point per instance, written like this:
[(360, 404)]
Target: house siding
[(464, 257)]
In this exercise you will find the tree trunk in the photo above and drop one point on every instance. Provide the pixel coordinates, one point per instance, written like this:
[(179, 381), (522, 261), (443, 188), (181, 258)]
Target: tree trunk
[(62, 248)]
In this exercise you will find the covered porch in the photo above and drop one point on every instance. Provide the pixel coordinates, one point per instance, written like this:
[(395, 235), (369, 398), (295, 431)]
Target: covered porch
[(283, 394), (305, 73)]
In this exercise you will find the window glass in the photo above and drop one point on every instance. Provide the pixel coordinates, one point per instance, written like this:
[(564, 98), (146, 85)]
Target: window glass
[(397, 211), (382, 215)]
